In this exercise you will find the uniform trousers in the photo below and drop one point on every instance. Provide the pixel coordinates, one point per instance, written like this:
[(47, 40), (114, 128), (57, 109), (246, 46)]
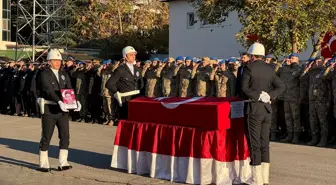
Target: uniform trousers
[(49, 121), (257, 128), (318, 117), (274, 123), (82, 98), (292, 116)]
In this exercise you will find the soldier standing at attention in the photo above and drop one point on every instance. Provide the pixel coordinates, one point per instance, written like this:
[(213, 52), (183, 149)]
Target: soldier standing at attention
[(224, 81), (261, 85), (153, 85), (186, 84), (168, 77), (202, 76), (330, 75), (126, 78), (291, 78), (319, 102), (105, 72), (244, 61), (55, 113), (269, 59)]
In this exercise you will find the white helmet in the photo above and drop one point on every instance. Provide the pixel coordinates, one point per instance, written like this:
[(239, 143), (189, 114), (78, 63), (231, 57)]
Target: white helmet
[(54, 54), (257, 49), (128, 49)]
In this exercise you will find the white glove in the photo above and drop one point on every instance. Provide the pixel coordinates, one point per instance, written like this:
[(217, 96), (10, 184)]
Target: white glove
[(265, 97), (79, 107), (62, 106), (38, 100)]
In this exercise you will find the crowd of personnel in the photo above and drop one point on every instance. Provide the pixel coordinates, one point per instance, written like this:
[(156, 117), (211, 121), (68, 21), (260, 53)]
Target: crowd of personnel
[(304, 112)]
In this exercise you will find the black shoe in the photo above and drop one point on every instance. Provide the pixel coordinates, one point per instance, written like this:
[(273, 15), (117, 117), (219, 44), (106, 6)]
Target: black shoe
[(323, 141), (296, 139), (274, 136), (63, 168), (45, 170), (289, 138), (332, 141), (314, 141)]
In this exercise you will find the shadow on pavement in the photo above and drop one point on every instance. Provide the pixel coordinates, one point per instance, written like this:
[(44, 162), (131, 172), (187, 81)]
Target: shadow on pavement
[(18, 162), (86, 158)]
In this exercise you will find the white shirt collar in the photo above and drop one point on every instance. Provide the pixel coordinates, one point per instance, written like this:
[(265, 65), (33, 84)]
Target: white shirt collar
[(131, 67), (55, 73)]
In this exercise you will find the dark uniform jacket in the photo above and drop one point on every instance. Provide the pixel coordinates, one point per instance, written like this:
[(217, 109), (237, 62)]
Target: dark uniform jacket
[(259, 76), (51, 89), (123, 80), (239, 82)]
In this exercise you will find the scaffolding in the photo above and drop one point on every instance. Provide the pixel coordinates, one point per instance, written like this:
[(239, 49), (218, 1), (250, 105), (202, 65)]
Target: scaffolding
[(40, 24)]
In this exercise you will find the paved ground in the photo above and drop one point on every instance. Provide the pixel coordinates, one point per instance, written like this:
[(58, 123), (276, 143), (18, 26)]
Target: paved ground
[(91, 155)]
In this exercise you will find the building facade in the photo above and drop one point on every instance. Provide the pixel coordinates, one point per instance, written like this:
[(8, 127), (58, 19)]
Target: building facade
[(189, 35)]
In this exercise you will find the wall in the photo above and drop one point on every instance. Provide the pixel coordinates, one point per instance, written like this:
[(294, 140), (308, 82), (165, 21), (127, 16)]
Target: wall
[(216, 40)]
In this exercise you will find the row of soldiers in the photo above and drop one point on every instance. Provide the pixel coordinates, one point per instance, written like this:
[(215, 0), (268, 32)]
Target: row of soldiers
[(306, 103)]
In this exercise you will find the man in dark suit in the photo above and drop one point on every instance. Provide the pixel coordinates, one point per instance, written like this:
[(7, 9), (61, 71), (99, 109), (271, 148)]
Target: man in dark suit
[(261, 85), (126, 79), (54, 112), (244, 61)]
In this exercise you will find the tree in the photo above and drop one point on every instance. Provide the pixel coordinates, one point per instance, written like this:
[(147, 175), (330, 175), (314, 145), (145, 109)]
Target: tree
[(283, 26), (111, 25)]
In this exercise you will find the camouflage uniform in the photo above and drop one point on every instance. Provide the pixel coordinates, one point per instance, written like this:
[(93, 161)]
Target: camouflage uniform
[(319, 101), (224, 82), (291, 77), (202, 76), (330, 75), (186, 84), (153, 85), (275, 106), (108, 100), (304, 103), (168, 79)]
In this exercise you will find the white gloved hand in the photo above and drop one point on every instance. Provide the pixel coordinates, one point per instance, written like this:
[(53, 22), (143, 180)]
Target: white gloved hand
[(79, 107), (265, 97), (38, 100), (62, 106)]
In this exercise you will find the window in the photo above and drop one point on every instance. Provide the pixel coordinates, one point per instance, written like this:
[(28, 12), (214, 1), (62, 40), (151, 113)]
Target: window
[(6, 36), (205, 23), (5, 4), (6, 22), (191, 20)]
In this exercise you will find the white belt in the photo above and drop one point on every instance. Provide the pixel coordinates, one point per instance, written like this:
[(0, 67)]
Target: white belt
[(119, 95), (42, 102)]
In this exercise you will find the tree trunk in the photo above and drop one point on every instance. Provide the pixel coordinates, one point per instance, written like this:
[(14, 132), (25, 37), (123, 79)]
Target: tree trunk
[(294, 47), (120, 21), (293, 38), (317, 45)]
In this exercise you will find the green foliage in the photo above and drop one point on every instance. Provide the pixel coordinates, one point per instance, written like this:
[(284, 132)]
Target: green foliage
[(112, 25), (283, 26)]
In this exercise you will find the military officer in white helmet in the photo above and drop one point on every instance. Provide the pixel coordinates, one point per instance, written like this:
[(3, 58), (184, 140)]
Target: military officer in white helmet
[(53, 110), (126, 81), (261, 85)]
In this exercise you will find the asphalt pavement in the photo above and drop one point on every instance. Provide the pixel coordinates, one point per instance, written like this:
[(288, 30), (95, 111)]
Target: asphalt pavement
[(90, 155)]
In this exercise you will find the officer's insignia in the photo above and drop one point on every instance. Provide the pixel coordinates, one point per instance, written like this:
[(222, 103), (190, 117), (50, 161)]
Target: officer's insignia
[(318, 76), (137, 74), (63, 77), (189, 70)]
